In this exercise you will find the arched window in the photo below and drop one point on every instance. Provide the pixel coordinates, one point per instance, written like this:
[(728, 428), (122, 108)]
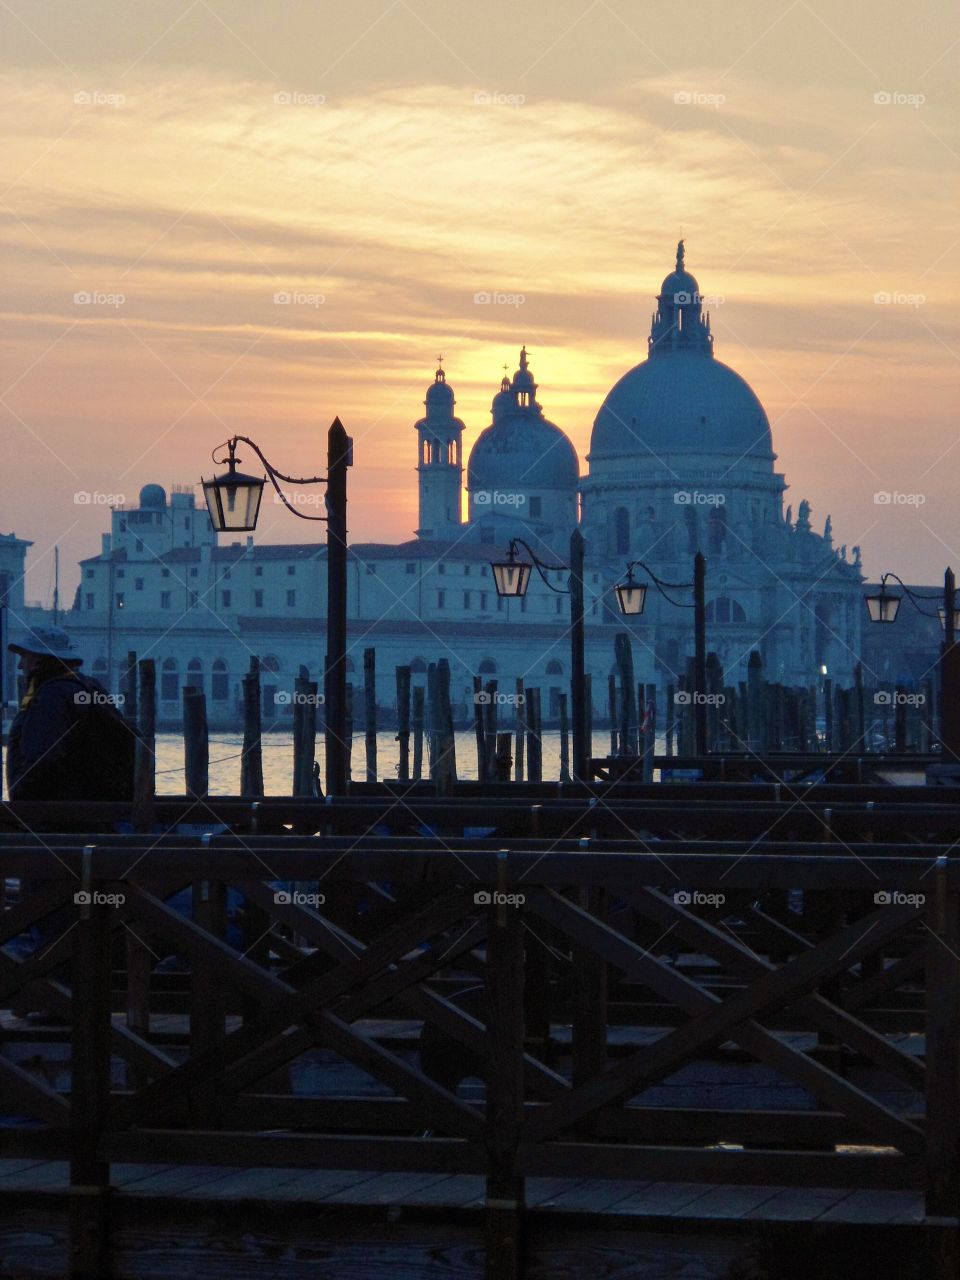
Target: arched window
[(487, 667), (418, 666), (349, 664), (723, 609), (169, 681), (270, 664), (195, 674), (100, 666), (621, 531), (554, 668), (220, 681)]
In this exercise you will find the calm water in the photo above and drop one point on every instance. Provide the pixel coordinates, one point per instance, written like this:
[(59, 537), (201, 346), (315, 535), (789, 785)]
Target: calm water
[(278, 759)]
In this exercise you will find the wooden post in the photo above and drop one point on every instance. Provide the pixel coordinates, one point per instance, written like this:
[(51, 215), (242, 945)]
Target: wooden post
[(196, 742), (304, 733), (670, 714), (347, 754), (589, 1029), (128, 689), (942, 1123), (588, 724), (828, 709), (370, 711), (614, 714), (505, 1027), (89, 1209), (403, 722), (251, 760), (443, 769), (534, 742), (624, 656), (650, 731), (714, 675), (860, 719), (520, 731), (145, 765), (478, 728), (564, 739), (900, 719), (208, 1007), (489, 730), (755, 735), (417, 718), (503, 759)]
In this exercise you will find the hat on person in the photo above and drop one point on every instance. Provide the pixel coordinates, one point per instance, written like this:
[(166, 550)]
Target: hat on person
[(48, 642)]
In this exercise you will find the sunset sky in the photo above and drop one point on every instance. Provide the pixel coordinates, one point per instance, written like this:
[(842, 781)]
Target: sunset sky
[(396, 157)]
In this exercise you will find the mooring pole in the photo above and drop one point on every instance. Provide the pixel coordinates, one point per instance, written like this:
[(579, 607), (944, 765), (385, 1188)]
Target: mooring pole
[(339, 448)]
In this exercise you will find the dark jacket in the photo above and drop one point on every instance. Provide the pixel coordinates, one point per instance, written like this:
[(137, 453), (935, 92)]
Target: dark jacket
[(48, 749)]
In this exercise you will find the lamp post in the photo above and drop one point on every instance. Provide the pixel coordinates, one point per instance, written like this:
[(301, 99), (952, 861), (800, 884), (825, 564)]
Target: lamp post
[(631, 598), (883, 607), (511, 577), (233, 500)]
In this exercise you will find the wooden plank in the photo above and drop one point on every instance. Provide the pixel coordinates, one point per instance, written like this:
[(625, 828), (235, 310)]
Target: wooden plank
[(176, 1180), (798, 1204), (385, 1188), (50, 1174), (876, 1206), (593, 1195), (729, 1202), (660, 1198)]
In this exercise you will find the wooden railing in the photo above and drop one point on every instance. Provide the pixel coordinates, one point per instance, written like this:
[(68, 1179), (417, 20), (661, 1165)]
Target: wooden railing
[(544, 933)]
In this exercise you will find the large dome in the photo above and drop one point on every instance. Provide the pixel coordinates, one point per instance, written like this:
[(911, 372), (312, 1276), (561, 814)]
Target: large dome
[(681, 399), (681, 403)]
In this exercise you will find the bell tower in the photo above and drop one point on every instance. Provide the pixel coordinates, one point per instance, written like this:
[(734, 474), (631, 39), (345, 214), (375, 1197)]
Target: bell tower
[(439, 463)]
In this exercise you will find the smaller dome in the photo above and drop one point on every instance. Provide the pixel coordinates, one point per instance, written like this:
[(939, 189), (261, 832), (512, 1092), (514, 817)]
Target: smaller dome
[(153, 495), (680, 287), (439, 399)]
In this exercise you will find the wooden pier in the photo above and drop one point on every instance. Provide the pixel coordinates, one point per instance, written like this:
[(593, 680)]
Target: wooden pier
[(482, 1023)]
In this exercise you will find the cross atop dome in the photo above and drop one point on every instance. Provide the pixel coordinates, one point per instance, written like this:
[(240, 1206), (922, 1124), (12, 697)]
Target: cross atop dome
[(679, 323), (440, 376)]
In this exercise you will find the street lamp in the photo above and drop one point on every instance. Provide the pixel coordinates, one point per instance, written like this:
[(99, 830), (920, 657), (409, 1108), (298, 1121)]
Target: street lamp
[(884, 606), (233, 500), (511, 577), (631, 598)]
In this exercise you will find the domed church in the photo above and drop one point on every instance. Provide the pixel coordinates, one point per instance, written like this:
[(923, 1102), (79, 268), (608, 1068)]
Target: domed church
[(681, 459)]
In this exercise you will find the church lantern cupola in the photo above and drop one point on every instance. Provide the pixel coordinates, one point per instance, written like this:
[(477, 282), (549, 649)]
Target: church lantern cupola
[(439, 462)]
